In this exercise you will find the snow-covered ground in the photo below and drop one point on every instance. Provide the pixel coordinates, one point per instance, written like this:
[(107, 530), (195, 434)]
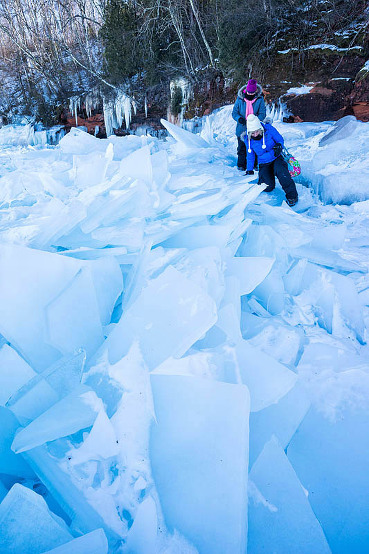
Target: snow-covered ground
[(184, 360), (303, 89)]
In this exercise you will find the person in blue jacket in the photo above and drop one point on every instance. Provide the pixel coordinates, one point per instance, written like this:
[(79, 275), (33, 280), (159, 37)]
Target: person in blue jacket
[(264, 141), (250, 100)]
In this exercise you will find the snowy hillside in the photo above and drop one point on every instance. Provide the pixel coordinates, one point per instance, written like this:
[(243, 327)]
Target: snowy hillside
[(183, 358)]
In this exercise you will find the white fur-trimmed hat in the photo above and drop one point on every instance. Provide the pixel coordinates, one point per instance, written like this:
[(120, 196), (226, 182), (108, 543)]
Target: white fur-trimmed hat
[(253, 123)]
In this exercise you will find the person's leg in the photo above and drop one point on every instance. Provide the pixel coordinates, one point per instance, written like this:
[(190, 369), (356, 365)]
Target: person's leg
[(266, 175), (284, 177), (241, 154)]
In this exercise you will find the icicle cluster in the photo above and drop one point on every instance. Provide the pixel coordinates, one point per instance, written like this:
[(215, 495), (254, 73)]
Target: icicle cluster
[(92, 102), (187, 92), (117, 110), (276, 112)]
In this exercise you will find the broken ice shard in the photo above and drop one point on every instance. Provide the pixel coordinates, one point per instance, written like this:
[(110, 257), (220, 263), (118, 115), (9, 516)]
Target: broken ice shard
[(76, 411), (281, 519), (84, 517), (250, 271), (266, 379), (199, 458), (47, 388), (189, 140), (142, 536), (14, 373), (26, 524), (170, 306), (11, 463), (331, 458), (92, 543), (73, 317), (281, 419), (46, 307)]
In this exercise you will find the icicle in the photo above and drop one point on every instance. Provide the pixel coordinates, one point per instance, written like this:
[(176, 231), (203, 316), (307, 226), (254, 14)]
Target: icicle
[(283, 112), (74, 105), (145, 106), (127, 111), (76, 108), (108, 117), (89, 105)]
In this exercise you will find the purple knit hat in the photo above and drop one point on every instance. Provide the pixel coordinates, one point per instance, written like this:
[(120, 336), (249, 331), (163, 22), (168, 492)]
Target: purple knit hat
[(251, 86)]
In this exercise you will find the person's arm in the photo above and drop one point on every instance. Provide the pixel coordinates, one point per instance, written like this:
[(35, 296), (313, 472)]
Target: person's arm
[(276, 136), (236, 113), (261, 109)]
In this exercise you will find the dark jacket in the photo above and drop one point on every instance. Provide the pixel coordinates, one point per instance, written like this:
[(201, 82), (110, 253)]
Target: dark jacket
[(265, 155), (239, 108)]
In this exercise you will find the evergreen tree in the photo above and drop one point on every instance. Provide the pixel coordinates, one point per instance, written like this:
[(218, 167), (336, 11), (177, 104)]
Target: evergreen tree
[(123, 50)]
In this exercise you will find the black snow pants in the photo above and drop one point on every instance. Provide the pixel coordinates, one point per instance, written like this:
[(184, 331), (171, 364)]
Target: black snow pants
[(242, 155), (277, 168)]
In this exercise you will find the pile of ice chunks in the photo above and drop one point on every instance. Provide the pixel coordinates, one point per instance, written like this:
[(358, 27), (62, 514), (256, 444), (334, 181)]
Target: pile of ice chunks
[(182, 364)]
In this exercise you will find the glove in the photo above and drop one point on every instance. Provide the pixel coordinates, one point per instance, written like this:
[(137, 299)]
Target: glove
[(242, 120), (277, 149), (250, 172)]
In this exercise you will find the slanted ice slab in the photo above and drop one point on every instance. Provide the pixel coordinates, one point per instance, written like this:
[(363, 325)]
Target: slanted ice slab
[(190, 140), (281, 519), (76, 411), (168, 317), (199, 457), (26, 524), (92, 543)]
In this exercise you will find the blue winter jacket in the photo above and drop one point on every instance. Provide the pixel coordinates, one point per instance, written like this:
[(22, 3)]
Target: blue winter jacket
[(239, 108), (265, 155)]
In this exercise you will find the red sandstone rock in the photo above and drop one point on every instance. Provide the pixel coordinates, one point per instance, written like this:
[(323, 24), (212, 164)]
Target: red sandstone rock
[(91, 123), (361, 111), (328, 100), (322, 90)]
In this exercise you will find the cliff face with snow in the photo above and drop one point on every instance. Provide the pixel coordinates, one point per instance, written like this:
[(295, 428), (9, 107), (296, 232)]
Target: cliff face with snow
[(113, 57), (338, 84), (323, 82)]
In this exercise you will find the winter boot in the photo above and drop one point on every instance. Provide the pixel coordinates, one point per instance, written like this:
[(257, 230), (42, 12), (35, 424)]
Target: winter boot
[(292, 201)]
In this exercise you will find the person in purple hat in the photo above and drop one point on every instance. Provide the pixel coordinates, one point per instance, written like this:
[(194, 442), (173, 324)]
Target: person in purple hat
[(250, 100)]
